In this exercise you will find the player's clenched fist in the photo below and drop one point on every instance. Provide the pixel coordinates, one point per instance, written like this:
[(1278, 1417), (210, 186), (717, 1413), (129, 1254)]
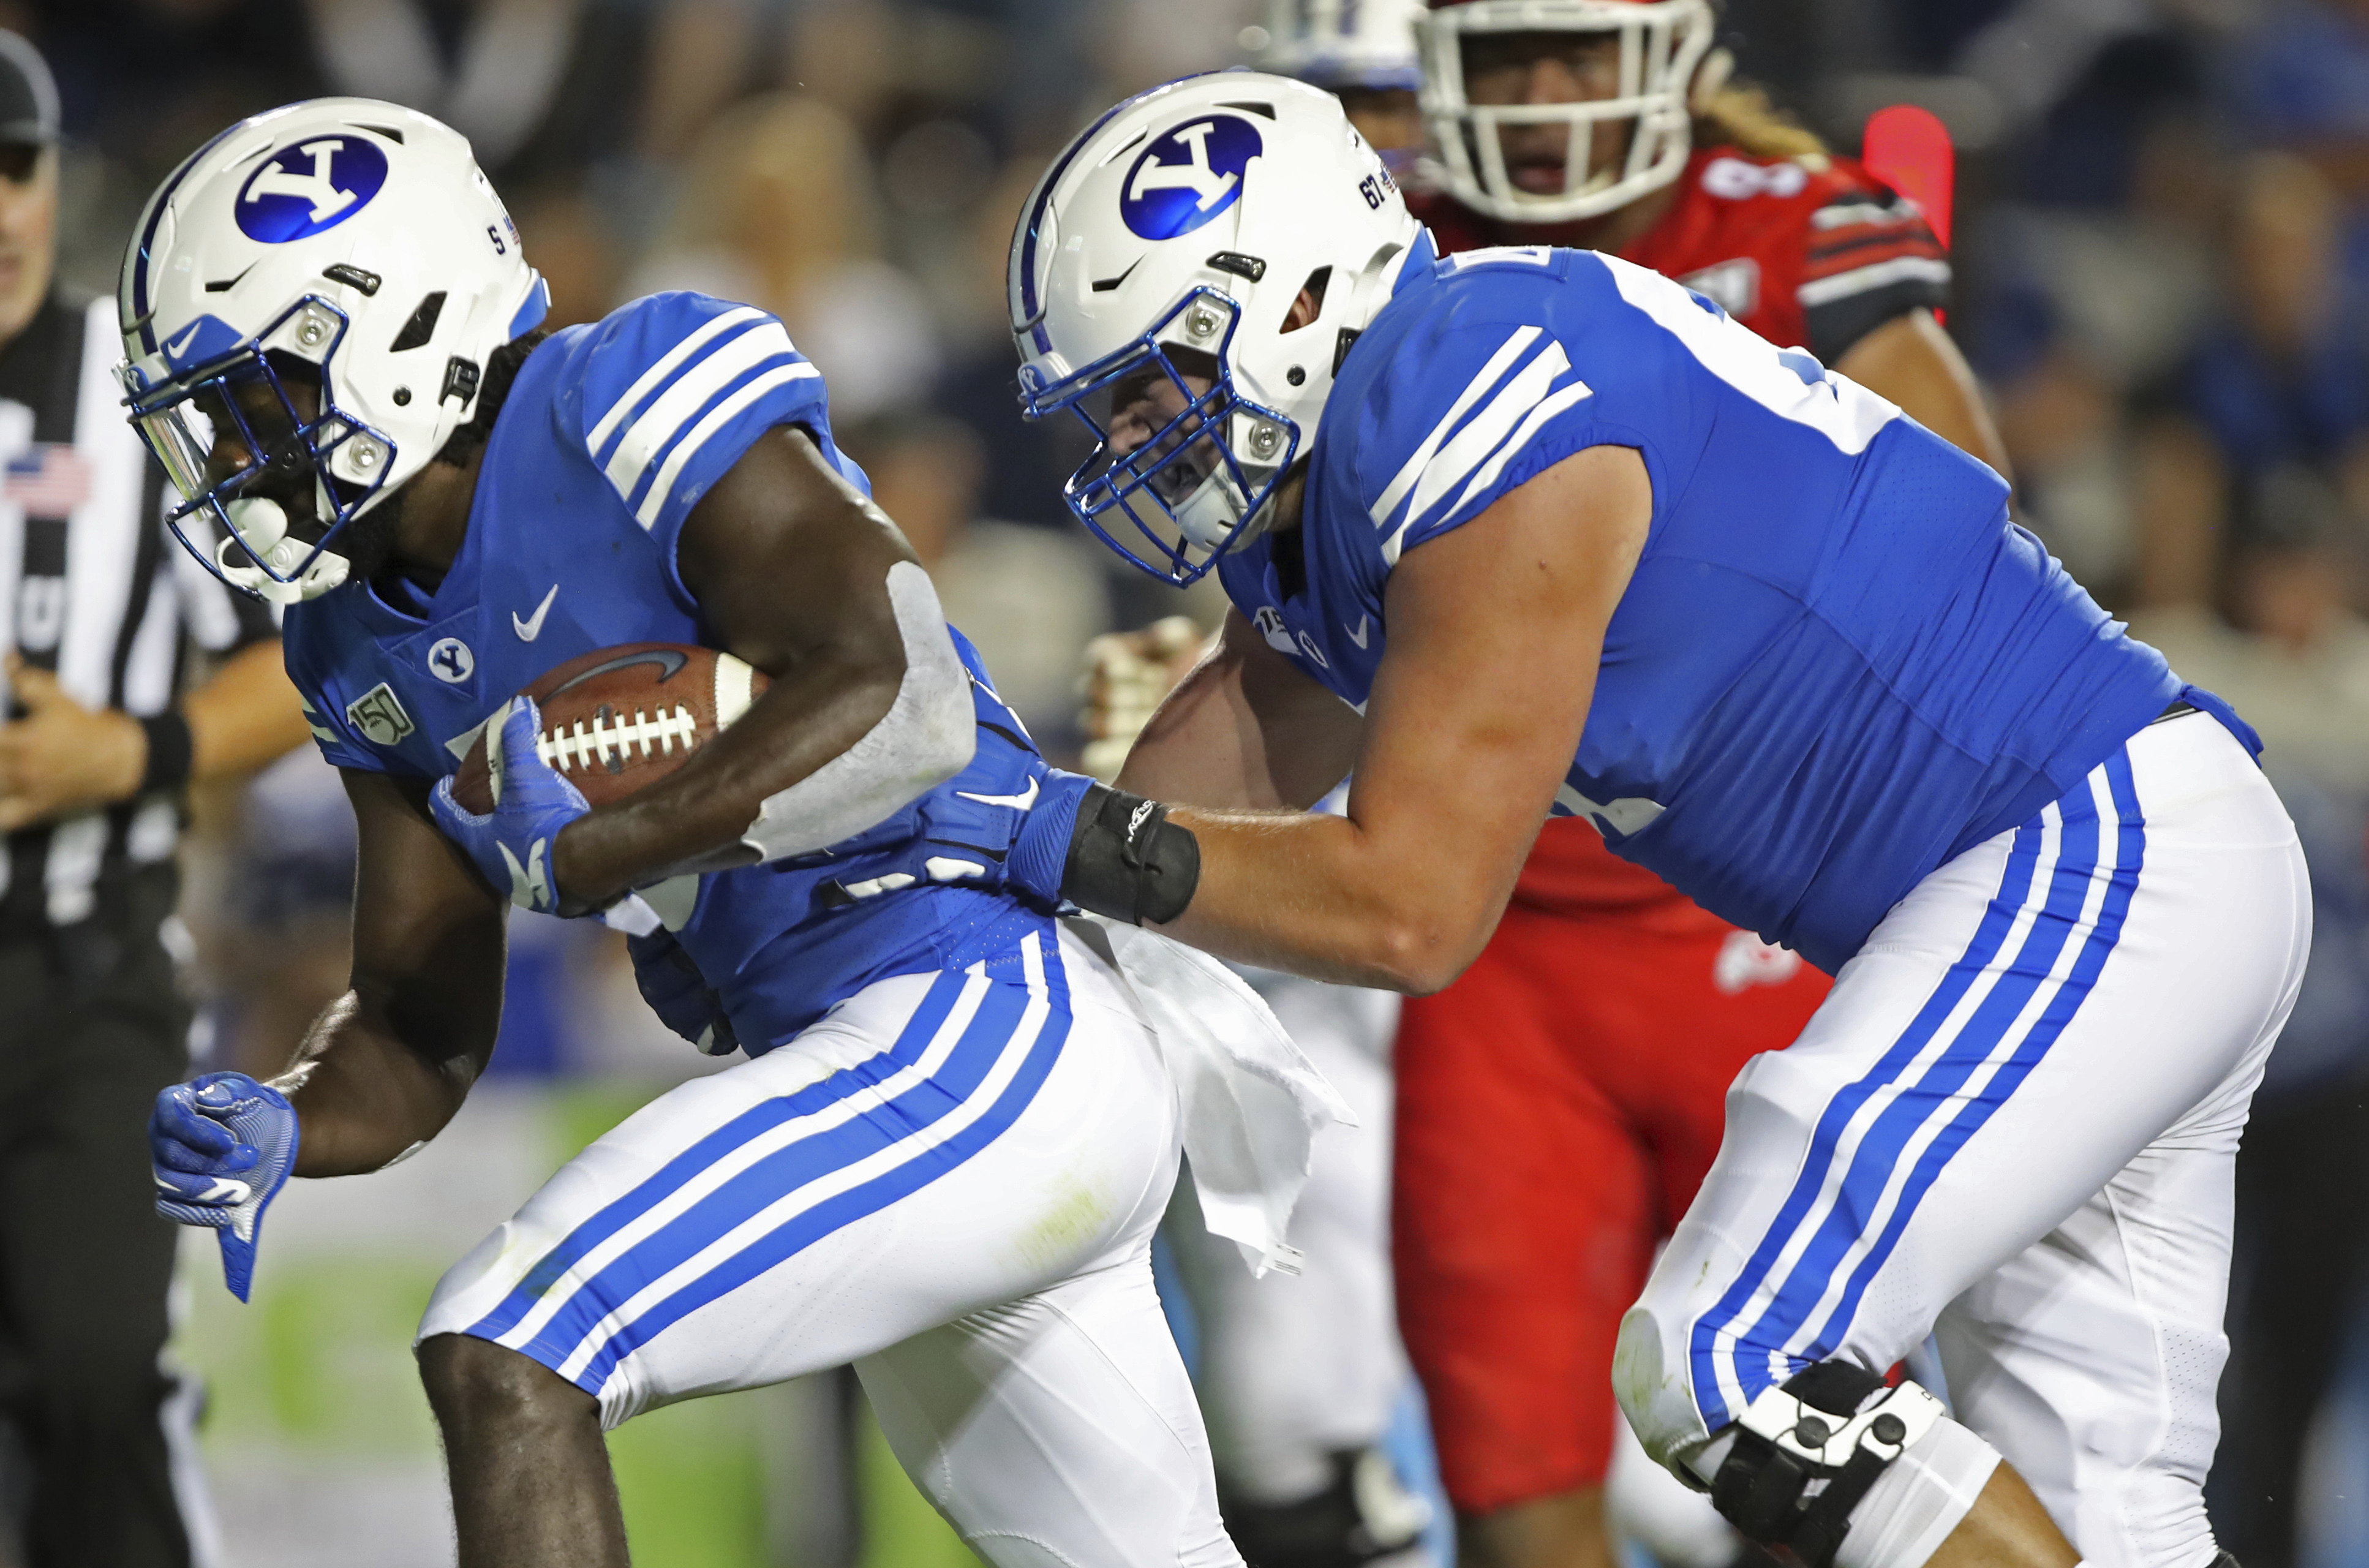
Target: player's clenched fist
[(222, 1146), (1127, 676)]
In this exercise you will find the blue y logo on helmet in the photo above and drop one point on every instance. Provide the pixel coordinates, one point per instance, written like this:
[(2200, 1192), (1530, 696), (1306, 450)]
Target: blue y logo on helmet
[(1188, 176), (313, 186)]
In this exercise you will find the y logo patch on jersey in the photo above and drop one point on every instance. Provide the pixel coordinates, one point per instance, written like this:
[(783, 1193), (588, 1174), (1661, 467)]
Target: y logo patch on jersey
[(304, 190), (1269, 621), (1188, 176), (450, 661), (379, 715)]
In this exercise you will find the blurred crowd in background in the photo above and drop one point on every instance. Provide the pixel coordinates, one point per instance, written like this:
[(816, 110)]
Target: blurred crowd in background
[(2163, 277)]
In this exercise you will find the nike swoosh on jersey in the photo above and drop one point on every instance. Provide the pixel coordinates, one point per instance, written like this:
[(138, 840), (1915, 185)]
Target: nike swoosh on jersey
[(528, 630), (1017, 802), (1358, 636)]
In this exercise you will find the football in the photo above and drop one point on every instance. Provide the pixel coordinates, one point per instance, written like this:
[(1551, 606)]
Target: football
[(618, 719)]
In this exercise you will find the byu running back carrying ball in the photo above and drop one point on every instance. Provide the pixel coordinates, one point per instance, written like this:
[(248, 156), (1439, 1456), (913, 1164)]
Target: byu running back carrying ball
[(1534, 529), (946, 1159)]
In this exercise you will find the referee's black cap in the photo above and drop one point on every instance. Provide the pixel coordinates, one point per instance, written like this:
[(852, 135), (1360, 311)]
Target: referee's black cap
[(29, 94)]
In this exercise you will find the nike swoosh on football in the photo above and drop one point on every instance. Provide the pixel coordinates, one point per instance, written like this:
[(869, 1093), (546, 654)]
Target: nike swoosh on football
[(1017, 802), (528, 630)]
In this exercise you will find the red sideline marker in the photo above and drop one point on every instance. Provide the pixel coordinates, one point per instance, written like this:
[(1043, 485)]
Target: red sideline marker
[(1908, 149)]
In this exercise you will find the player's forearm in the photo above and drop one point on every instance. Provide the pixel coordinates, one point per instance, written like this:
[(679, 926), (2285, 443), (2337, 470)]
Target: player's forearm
[(1245, 731), (696, 818), (363, 1096), (246, 718), (1321, 896), (1202, 745)]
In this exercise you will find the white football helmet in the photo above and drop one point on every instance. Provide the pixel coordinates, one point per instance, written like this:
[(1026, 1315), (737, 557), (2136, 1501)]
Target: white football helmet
[(1661, 44), (1343, 44), (341, 240), (1172, 239)]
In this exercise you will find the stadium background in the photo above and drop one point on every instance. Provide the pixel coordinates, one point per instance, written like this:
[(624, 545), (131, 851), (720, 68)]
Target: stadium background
[(2163, 253)]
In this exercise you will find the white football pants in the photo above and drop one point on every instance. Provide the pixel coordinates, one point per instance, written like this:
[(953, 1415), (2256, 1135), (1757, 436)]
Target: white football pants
[(951, 1181), (2013, 1125)]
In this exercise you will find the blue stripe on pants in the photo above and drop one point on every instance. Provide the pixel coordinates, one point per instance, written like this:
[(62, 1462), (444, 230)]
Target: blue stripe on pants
[(913, 1041), (1760, 1352), (2122, 886), (804, 1230), (985, 1041), (808, 1159), (1990, 935)]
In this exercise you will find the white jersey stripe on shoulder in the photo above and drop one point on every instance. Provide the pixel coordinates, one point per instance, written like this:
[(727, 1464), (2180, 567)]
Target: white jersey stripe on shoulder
[(1478, 439), (1535, 420), (1843, 285), (723, 413), (1499, 363), (648, 431), (649, 379)]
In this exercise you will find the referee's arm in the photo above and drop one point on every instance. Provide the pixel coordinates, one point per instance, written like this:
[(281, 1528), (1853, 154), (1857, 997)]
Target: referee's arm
[(63, 758)]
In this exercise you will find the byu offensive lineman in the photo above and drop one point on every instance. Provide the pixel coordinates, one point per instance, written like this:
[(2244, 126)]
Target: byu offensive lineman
[(1533, 528), (945, 1161)]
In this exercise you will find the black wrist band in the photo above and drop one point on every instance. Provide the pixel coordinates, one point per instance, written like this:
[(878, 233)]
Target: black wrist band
[(1128, 860), (169, 750)]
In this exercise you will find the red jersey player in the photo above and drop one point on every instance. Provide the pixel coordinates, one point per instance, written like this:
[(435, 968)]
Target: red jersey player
[(1560, 1104)]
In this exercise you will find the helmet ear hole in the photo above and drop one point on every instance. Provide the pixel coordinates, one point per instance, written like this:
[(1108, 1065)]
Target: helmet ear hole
[(1310, 302), (422, 325)]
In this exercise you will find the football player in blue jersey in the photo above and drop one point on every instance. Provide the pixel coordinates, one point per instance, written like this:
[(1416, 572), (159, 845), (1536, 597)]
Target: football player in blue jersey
[(945, 1160), (1529, 530)]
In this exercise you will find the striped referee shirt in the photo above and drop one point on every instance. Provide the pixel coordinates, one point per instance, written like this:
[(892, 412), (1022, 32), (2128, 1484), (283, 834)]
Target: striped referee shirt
[(93, 587)]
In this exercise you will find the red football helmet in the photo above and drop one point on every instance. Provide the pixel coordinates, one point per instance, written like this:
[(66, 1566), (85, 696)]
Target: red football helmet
[(1491, 158)]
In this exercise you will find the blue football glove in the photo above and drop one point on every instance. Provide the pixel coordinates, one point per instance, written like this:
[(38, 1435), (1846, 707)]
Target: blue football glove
[(680, 994), (511, 843), (222, 1146), (1040, 852)]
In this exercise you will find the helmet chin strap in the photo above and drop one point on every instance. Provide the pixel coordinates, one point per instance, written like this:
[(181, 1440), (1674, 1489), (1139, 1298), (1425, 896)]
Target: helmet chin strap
[(259, 526)]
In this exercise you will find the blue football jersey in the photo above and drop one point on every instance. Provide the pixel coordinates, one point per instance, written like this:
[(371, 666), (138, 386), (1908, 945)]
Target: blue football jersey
[(610, 435), (1839, 663)]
